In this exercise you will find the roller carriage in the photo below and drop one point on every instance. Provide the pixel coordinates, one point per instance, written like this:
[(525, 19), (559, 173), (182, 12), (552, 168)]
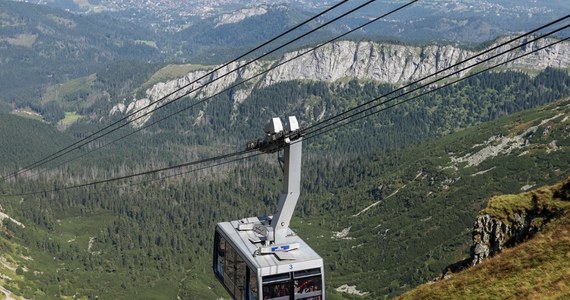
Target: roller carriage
[(261, 257)]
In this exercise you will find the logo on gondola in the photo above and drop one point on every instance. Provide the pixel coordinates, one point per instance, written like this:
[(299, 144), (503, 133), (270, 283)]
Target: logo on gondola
[(280, 248)]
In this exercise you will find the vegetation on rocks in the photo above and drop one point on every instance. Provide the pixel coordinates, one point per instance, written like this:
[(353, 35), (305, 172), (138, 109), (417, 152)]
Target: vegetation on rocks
[(537, 268)]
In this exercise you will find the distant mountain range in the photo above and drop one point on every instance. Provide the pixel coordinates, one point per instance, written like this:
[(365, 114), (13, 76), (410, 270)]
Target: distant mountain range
[(456, 20), (44, 45)]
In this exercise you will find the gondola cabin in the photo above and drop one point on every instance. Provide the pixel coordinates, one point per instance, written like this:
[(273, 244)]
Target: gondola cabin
[(261, 257), (296, 274)]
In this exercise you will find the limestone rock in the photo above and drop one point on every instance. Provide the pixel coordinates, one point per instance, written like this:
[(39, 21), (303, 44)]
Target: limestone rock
[(364, 60), (491, 235)]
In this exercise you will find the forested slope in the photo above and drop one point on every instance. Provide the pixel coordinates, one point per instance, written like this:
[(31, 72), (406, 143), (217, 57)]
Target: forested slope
[(42, 46), (388, 201), (469, 102), (24, 140), (405, 214)]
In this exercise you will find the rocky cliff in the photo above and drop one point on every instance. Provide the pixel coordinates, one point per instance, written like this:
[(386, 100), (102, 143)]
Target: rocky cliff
[(381, 62), (509, 220), (535, 269)]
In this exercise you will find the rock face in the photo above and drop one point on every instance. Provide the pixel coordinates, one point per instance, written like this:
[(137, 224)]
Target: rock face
[(386, 63), (389, 63), (380, 62), (194, 84), (5, 216), (516, 218), (490, 235)]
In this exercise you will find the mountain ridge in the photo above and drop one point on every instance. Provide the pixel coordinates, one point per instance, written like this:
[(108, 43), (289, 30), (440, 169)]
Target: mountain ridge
[(380, 62), (466, 20), (384, 208)]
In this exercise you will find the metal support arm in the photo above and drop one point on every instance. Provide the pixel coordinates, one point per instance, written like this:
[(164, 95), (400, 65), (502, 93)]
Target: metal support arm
[(291, 187), (289, 139)]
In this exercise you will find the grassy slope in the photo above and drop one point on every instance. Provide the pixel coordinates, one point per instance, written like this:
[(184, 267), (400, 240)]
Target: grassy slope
[(411, 236), (538, 268), (12, 257)]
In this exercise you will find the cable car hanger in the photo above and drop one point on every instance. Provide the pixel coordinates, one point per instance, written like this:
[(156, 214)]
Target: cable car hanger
[(289, 139)]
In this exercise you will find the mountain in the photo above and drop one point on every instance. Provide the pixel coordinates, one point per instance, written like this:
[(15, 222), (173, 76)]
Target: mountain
[(530, 262), (379, 62), (383, 220), (407, 215), (388, 201), (42, 46)]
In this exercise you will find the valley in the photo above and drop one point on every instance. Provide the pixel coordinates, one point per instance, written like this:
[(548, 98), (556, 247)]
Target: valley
[(386, 199), (389, 197)]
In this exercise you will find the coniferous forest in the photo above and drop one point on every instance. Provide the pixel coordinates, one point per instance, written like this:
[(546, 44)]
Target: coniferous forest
[(387, 200), (152, 238)]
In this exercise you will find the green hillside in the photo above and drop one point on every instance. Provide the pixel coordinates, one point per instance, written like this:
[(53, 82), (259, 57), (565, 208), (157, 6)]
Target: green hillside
[(42, 47), (388, 201), (537, 268), (384, 222), (409, 213), (476, 100), (24, 140)]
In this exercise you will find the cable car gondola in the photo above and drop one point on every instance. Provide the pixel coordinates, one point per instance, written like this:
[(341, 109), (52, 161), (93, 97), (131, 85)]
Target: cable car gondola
[(261, 257)]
